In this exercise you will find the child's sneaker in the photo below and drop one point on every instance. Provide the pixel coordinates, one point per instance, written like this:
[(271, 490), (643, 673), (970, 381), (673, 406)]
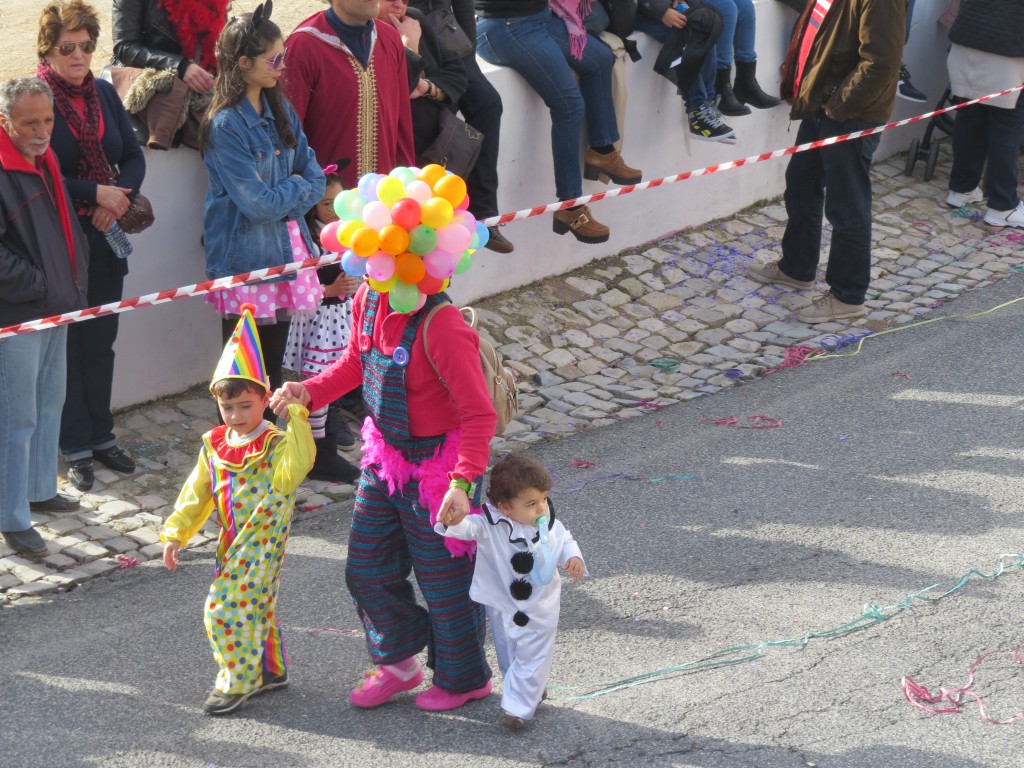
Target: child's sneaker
[(436, 699), (270, 682), (380, 684), (511, 722), (706, 124), (220, 703)]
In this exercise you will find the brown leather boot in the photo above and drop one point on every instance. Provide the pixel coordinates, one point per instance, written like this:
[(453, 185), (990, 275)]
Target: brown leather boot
[(163, 115), (610, 166), (581, 223)]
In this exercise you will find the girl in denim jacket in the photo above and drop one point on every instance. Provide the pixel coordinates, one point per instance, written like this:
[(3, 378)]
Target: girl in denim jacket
[(263, 179)]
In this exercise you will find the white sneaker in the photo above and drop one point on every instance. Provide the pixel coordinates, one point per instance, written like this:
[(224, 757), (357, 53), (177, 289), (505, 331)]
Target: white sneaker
[(1014, 218), (960, 199)]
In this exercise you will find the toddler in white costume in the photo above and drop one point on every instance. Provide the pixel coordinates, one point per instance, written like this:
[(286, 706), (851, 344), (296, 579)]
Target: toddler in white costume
[(519, 546)]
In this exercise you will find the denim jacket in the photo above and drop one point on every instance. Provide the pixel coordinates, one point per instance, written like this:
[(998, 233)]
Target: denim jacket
[(253, 192)]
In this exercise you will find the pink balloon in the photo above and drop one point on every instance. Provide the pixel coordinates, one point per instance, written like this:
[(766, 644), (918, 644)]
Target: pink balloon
[(439, 264), (465, 219), (464, 205), (420, 303), (453, 238), (329, 237), (381, 266), (376, 215), (419, 191)]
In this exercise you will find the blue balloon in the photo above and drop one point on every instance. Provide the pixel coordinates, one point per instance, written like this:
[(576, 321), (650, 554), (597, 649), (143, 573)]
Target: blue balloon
[(368, 186), (482, 235), (353, 265)]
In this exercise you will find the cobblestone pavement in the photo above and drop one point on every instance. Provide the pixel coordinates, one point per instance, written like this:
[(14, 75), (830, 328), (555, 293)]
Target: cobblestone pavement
[(662, 323)]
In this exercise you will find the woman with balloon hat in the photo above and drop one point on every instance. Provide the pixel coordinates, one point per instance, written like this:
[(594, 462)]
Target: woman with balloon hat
[(426, 436)]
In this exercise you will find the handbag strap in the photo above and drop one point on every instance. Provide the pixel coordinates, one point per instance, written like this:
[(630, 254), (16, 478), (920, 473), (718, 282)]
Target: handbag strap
[(426, 346)]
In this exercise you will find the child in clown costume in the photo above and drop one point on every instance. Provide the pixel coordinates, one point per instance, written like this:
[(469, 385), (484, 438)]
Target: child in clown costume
[(247, 473), (520, 545)]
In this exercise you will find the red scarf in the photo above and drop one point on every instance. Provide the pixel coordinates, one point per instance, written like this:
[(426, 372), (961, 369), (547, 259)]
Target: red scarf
[(92, 162), (198, 24)]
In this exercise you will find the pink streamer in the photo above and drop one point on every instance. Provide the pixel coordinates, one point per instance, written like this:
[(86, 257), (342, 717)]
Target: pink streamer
[(926, 701)]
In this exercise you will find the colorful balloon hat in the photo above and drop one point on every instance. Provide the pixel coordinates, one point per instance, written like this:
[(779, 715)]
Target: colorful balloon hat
[(243, 356)]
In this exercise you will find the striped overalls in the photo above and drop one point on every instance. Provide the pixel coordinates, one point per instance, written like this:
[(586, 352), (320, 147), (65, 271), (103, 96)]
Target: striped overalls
[(392, 535)]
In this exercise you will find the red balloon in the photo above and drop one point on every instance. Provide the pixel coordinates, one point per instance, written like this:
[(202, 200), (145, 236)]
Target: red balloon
[(430, 285), (464, 205), (406, 213), (329, 237)]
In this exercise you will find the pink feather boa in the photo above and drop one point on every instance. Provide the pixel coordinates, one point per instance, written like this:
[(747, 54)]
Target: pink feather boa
[(395, 470)]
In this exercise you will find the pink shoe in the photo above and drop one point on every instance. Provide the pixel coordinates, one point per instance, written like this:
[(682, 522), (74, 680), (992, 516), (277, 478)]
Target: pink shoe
[(380, 685), (436, 699)]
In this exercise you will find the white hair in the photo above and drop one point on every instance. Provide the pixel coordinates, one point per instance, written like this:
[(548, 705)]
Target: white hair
[(14, 89)]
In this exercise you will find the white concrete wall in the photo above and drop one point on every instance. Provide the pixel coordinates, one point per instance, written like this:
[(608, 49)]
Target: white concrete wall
[(165, 349)]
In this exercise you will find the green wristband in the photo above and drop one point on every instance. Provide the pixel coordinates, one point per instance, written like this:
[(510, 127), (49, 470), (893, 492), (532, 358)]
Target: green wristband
[(459, 483)]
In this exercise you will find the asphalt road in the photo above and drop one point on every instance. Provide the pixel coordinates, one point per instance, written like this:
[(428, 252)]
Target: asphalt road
[(874, 487)]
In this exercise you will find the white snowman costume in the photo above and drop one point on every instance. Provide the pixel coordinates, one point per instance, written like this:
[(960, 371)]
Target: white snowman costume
[(512, 564)]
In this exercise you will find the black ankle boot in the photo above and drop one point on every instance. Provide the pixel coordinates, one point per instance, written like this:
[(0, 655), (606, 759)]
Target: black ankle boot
[(328, 465), (728, 104), (747, 89)]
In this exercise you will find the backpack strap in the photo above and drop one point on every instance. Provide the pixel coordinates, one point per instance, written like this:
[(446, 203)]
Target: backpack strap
[(426, 346)]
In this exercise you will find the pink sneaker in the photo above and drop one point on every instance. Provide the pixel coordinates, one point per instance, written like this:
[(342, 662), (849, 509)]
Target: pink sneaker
[(436, 699), (380, 685)]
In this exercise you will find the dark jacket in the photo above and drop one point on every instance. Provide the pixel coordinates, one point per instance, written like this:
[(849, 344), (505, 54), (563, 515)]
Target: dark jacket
[(443, 69), (119, 145), (993, 26), (40, 276), (144, 37), (854, 62)]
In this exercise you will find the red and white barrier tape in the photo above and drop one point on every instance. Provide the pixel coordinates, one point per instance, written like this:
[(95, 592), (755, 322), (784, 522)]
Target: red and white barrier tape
[(209, 286)]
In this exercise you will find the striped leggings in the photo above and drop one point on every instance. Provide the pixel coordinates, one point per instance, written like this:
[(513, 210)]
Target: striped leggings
[(391, 536)]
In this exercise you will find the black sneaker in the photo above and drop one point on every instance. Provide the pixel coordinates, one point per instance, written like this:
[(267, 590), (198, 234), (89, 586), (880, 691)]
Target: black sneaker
[(218, 703), (115, 459), (80, 474), (271, 682), (706, 124), (906, 89)]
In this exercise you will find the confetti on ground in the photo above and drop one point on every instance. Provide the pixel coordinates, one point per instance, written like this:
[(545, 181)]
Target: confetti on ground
[(672, 477), (759, 422), (902, 374), (925, 700), (581, 463), (124, 562)]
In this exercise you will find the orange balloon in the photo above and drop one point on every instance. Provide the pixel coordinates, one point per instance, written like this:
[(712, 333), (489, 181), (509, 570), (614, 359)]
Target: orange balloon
[(393, 239), (431, 173), (347, 229), (450, 187), (409, 268), (365, 242)]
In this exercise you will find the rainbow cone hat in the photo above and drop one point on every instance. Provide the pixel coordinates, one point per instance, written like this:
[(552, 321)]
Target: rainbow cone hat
[(243, 356)]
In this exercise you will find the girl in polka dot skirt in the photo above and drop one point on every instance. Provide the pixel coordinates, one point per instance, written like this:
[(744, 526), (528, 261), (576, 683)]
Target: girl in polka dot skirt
[(263, 179), (246, 475), (316, 338)]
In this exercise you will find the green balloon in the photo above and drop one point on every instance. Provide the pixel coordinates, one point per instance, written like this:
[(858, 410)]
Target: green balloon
[(464, 263), (404, 175), (349, 205), (422, 239), (404, 297)]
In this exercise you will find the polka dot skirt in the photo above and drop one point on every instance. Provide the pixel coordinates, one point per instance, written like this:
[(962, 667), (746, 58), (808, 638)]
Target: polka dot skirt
[(317, 339)]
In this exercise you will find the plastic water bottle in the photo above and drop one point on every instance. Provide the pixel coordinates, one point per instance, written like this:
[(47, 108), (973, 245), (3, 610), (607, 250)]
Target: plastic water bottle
[(681, 7), (119, 241)]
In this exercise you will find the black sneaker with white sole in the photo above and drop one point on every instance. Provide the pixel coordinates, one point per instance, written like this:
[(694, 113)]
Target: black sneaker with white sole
[(706, 124), (219, 703), (906, 89)]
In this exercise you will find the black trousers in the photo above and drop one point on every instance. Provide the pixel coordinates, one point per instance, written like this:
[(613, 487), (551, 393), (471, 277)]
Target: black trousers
[(481, 107), (86, 421)]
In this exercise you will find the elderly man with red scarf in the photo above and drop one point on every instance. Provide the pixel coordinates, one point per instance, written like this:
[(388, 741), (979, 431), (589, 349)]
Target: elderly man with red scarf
[(43, 268)]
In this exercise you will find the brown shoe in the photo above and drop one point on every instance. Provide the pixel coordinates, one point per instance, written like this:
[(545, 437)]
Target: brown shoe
[(828, 309), (610, 166), (511, 722), (497, 242), (581, 223), (771, 274)]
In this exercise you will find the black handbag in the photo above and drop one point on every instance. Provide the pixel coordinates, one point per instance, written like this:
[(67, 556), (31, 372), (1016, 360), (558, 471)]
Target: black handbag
[(457, 145), (446, 29)]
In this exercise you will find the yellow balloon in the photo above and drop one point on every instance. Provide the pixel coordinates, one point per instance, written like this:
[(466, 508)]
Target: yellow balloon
[(382, 286), (347, 229), (437, 212), (431, 173), (451, 187), (390, 190)]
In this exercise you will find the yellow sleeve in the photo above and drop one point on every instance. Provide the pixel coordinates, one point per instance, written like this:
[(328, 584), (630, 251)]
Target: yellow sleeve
[(298, 452), (193, 507)]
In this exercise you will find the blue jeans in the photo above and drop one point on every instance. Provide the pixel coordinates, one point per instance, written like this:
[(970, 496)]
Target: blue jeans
[(738, 32), (984, 133), (834, 179), (32, 373), (537, 47), (698, 93)]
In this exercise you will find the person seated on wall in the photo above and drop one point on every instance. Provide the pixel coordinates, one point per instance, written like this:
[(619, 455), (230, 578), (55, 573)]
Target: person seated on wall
[(173, 40)]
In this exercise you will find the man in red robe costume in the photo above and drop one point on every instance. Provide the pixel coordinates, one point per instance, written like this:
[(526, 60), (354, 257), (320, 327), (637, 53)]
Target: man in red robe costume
[(348, 82)]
